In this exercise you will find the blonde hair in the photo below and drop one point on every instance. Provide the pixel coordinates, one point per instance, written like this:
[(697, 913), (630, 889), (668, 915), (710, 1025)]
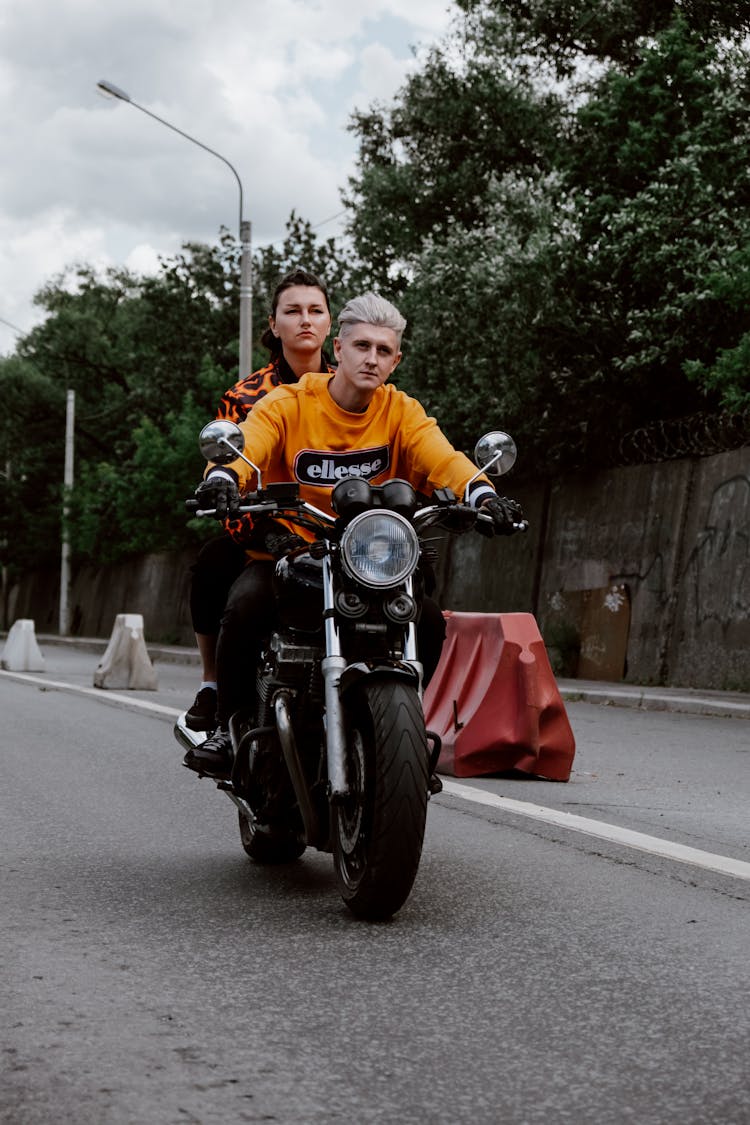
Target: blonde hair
[(371, 308)]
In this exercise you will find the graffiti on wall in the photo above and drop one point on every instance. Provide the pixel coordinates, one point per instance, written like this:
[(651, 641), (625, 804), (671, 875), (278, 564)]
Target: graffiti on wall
[(689, 588), (716, 577)]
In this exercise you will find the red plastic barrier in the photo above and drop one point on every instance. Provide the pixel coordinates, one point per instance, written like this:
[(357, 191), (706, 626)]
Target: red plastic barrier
[(494, 700)]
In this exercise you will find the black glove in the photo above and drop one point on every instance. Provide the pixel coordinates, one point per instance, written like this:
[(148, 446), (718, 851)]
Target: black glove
[(504, 513), (275, 539), (219, 493)]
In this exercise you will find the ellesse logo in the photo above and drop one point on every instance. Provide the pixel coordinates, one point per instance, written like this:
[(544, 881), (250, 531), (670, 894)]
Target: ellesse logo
[(325, 469)]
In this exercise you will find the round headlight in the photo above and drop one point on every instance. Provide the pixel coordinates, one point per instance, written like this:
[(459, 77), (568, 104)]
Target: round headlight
[(380, 549)]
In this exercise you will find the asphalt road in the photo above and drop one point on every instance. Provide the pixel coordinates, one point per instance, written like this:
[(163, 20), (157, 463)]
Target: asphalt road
[(151, 973)]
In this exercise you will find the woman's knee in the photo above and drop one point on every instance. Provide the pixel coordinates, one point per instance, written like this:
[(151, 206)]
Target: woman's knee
[(250, 599)]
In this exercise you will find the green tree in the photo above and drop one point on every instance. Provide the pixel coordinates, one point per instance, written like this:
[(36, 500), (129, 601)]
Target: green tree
[(482, 105), (129, 346), (505, 324), (136, 503), (727, 373), (149, 359), (560, 199), (570, 30), (31, 466), (658, 168)]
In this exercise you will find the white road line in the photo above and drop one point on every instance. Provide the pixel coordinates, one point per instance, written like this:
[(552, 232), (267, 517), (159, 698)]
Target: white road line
[(625, 836), (724, 865), (102, 695)]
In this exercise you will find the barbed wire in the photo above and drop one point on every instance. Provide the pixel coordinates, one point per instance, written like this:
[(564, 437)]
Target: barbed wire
[(696, 435)]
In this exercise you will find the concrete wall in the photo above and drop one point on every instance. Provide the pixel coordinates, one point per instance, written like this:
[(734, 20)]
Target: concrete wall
[(672, 540), (674, 535), (711, 627), (155, 586)]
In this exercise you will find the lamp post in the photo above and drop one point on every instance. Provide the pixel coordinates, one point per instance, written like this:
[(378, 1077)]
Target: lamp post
[(246, 279)]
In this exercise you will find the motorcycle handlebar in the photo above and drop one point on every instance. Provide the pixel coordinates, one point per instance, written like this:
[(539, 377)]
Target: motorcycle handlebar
[(521, 525), (194, 507), (306, 515), (430, 514)]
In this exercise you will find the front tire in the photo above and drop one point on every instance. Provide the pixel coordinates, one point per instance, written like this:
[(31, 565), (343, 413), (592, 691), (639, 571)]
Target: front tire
[(378, 830)]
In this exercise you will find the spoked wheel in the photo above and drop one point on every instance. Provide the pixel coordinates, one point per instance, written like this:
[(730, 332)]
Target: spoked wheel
[(379, 829)]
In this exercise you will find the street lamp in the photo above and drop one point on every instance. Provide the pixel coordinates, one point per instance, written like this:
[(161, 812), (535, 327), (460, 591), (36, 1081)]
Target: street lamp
[(246, 279)]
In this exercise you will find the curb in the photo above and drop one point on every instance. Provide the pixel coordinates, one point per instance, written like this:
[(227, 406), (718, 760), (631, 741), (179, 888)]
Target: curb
[(683, 701), (688, 701), (165, 654)]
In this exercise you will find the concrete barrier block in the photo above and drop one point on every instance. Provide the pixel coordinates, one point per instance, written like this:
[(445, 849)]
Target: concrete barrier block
[(126, 663), (21, 652)]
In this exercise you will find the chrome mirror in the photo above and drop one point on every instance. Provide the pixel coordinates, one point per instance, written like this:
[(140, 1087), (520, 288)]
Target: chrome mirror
[(221, 442), (495, 453)]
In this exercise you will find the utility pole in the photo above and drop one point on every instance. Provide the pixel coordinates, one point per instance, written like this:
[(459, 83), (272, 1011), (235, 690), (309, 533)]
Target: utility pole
[(70, 410)]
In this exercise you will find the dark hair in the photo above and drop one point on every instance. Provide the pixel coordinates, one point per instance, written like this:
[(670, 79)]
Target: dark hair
[(295, 277)]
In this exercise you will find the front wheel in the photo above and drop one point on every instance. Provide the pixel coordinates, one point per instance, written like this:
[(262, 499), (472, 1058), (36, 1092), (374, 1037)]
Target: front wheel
[(379, 829)]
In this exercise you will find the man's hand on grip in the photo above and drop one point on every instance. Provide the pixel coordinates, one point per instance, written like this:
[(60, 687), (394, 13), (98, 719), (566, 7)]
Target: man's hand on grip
[(221, 493), (504, 514)]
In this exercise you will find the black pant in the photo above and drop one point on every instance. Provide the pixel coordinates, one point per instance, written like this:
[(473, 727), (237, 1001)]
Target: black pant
[(219, 562), (249, 617)]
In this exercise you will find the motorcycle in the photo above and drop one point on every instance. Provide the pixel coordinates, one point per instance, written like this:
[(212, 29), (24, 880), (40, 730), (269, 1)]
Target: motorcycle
[(333, 752)]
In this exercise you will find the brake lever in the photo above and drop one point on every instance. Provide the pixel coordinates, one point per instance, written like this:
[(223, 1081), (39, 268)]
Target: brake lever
[(521, 525)]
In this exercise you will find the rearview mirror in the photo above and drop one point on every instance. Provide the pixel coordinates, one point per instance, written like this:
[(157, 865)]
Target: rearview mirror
[(495, 453), (221, 441)]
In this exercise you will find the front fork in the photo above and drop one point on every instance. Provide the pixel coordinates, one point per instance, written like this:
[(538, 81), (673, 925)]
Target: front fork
[(333, 667)]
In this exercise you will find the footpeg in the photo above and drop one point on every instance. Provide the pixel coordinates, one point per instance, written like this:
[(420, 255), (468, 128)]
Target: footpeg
[(434, 785)]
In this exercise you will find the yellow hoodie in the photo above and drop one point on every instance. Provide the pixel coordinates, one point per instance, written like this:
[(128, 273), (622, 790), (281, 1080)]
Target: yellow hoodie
[(298, 433)]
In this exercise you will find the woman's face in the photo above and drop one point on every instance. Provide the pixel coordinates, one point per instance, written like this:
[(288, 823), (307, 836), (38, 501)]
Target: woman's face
[(302, 319)]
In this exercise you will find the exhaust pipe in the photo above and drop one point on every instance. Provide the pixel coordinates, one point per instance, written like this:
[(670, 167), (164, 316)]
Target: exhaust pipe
[(294, 766)]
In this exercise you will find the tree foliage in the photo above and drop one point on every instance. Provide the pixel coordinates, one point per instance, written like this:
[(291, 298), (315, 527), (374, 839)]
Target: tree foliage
[(477, 110), (612, 32), (559, 197), (31, 465), (489, 360), (148, 357), (661, 187)]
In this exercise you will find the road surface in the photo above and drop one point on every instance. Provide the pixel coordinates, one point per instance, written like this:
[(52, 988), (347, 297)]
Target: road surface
[(538, 973)]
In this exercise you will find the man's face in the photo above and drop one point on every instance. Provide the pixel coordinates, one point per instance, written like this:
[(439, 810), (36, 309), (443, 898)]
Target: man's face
[(367, 354)]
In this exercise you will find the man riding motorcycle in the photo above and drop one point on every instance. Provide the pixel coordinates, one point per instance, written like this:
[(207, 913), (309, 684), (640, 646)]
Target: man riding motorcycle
[(316, 433)]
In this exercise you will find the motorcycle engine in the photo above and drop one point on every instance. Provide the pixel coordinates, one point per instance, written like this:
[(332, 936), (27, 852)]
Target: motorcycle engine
[(287, 664)]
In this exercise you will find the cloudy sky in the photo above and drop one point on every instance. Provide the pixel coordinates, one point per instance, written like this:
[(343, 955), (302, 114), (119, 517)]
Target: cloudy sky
[(268, 84)]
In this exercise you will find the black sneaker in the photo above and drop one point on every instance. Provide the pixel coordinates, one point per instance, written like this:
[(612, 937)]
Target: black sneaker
[(202, 715), (213, 757)]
